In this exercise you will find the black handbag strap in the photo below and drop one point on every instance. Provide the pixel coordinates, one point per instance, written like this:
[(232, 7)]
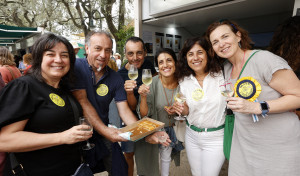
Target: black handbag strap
[(75, 109), (76, 116), (16, 167)]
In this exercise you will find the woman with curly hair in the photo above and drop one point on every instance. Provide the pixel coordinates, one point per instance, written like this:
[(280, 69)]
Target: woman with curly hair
[(286, 42), (199, 78)]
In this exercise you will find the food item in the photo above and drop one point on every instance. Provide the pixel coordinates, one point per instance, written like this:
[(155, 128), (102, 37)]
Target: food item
[(143, 127)]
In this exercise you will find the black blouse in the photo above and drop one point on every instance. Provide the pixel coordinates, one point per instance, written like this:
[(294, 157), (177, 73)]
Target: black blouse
[(49, 111)]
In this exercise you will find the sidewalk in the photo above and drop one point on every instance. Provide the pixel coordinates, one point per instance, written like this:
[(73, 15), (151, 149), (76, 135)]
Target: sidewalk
[(182, 170)]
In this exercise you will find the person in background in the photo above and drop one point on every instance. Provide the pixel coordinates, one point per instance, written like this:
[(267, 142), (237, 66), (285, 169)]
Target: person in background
[(267, 88), (27, 60), (118, 60), (21, 66), (17, 59), (96, 86), (286, 44), (8, 68), (156, 102), (43, 134), (135, 52), (199, 80), (112, 63), (76, 49)]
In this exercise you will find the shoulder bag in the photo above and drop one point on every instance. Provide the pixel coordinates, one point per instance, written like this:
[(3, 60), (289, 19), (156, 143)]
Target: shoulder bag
[(229, 121)]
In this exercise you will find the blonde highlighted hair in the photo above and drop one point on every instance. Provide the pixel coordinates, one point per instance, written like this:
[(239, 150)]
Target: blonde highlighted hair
[(6, 58)]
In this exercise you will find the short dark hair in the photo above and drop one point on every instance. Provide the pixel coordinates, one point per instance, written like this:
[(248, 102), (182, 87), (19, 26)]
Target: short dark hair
[(45, 43), (135, 40), (213, 66), (165, 50)]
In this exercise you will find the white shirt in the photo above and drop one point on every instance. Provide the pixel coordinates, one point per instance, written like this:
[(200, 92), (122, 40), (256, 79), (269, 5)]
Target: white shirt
[(206, 104)]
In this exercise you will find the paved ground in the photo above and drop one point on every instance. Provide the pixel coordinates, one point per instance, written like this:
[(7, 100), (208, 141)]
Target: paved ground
[(183, 169)]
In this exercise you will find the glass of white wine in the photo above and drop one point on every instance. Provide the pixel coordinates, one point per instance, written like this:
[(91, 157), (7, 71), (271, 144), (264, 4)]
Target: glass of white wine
[(133, 72), (147, 77), (180, 98), (226, 88), (84, 121)]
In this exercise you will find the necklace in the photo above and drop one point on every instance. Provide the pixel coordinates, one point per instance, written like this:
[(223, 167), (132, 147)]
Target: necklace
[(241, 65), (169, 116)]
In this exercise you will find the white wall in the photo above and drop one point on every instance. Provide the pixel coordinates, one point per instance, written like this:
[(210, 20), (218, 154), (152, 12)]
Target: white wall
[(297, 5), (173, 31)]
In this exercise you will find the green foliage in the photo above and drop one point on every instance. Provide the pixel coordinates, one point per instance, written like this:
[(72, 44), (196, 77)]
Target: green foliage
[(123, 35)]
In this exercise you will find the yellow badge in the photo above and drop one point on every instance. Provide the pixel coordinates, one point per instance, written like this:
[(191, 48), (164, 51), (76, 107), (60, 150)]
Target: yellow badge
[(247, 88), (102, 90), (197, 94), (57, 100)]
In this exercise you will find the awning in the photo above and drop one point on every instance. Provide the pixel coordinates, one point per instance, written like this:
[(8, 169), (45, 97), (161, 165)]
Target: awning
[(9, 35)]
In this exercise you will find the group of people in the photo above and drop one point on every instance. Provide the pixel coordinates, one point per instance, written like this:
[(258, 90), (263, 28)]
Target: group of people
[(39, 126)]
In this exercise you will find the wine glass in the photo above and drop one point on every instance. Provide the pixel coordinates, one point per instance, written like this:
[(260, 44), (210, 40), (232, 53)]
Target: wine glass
[(226, 88), (84, 121), (147, 77), (133, 72), (180, 98), (162, 138)]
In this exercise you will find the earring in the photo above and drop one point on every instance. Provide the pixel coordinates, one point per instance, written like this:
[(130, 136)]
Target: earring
[(240, 45)]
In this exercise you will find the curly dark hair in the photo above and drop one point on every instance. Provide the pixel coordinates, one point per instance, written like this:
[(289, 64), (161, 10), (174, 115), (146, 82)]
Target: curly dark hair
[(286, 41), (246, 42), (213, 66), (45, 43)]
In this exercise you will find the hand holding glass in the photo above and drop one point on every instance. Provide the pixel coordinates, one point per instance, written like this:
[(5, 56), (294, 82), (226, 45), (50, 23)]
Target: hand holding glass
[(133, 72), (84, 121), (226, 88), (180, 98)]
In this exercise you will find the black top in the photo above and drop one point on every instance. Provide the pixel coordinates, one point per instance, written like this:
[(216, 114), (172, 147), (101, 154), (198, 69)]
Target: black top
[(49, 111), (146, 65)]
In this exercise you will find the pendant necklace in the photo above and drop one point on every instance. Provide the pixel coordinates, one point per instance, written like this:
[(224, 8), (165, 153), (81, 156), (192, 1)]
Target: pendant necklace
[(169, 116)]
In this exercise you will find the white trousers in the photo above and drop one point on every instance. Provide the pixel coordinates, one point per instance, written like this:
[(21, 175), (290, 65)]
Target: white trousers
[(165, 160), (205, 151)]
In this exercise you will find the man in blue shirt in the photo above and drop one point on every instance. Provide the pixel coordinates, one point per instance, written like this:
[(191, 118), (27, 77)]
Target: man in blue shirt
[(96, 86), (135, 52)]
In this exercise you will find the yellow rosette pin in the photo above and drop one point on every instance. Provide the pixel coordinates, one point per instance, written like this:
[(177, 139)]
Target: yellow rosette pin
[(247, 88)]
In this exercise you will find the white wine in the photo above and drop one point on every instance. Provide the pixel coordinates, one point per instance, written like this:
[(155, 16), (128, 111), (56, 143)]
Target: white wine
[(181, 99), (227, 93), (147, 80), (133, 76)]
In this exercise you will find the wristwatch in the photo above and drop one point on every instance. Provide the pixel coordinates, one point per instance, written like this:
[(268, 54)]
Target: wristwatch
[(264, 108)]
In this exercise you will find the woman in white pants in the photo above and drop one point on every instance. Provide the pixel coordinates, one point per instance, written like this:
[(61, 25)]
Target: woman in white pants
[(156, 102), (199, 79)]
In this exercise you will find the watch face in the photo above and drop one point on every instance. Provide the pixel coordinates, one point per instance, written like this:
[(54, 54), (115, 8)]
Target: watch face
[(264, 106)]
